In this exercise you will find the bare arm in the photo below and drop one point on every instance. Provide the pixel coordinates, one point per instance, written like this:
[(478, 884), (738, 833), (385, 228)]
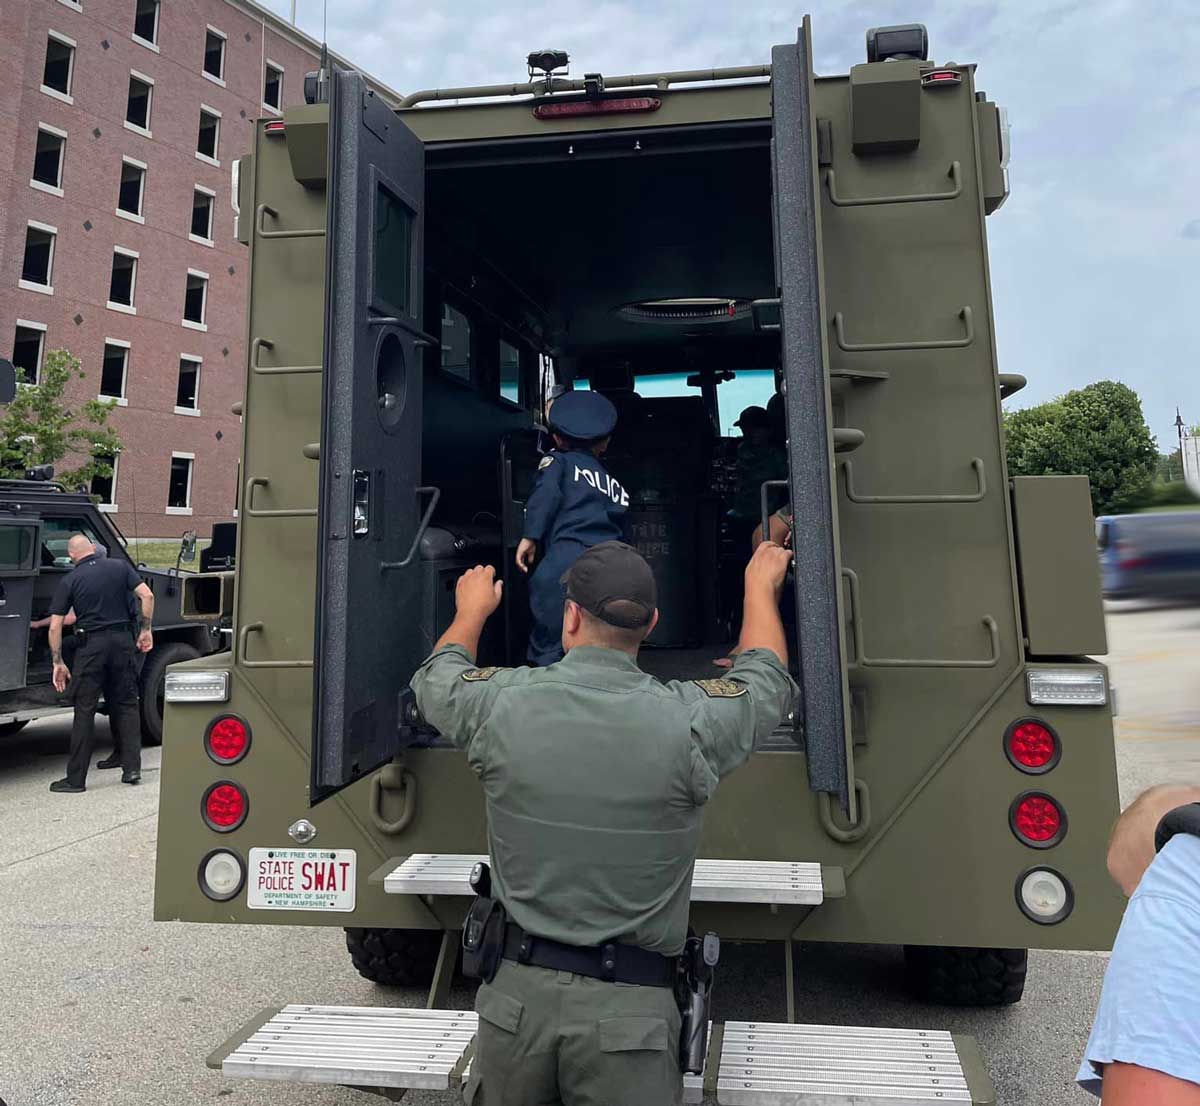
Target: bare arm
[(1130, 1085), (62, 674), (145, 639), (762, 628), (42, 623)]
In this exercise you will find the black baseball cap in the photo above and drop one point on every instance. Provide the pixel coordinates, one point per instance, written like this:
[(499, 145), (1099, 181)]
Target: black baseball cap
[(753, 416), (613, 582)]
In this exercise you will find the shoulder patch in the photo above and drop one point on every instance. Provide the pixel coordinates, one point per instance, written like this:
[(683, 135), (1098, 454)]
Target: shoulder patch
[(721, 689), (546, 462), (474, 675)]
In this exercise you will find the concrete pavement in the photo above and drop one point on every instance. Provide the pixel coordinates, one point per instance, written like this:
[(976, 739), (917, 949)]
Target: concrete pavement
[(100, 1006)]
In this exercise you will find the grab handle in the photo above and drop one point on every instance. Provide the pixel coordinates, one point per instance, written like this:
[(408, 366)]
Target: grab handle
[(955, 175), (967, 316), (435, 494), (265, 209)]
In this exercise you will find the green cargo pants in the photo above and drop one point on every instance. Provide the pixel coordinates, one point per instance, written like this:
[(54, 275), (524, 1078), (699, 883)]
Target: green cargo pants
[(551, 1038)]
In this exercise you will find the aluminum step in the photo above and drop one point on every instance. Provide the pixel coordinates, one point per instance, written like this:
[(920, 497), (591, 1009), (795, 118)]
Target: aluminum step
[(832, 1065), (760, 1063), (366, 1046), (758, 881)]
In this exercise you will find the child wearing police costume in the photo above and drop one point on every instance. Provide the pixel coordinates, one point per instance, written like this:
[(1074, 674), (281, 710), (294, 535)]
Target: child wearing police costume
[(575, 505)]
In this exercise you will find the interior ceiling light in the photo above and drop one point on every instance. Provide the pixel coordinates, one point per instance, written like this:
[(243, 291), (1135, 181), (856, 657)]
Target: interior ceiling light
[(687, 311)]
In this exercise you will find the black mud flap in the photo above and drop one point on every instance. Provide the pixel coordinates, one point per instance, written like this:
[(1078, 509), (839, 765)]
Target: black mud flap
[(371, 505), (819, 621)]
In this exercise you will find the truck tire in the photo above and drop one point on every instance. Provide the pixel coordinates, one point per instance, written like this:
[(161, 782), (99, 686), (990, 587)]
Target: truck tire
[(966, 976), (154, 674), (395, 957), (7, 729)]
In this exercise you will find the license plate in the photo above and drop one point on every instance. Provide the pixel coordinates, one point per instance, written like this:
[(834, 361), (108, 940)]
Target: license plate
[(301, 879)]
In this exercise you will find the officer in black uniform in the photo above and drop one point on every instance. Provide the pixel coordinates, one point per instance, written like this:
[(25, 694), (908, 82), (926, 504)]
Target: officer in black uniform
[(575, 505), (98, 590)]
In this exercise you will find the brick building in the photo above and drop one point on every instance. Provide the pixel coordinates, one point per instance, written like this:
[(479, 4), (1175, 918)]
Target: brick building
[(119, 125)]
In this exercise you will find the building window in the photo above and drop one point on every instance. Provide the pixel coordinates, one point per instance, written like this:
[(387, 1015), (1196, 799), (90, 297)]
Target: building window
[(38, 266), (124, 280), (214, 54), (510, 372), (179, 488), (29, 346), (59, 72), (114, 371), (202, 215), (48, 158), (145, 22), (132, 189), (456, 342), (210, 129), (137, 107), (187, 391), (195, 300), (104, 488), (273, 86)]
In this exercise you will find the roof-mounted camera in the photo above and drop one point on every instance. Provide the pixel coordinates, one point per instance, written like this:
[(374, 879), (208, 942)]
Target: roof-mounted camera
[(550, 63), (906, 41)]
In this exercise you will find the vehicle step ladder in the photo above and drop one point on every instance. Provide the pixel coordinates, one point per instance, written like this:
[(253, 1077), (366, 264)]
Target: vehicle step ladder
[(390, 1049), (747, 881)]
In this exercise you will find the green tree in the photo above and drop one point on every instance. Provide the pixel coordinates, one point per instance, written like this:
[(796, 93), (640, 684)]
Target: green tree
[(1098, 432), (39, 427), (1169, 467)]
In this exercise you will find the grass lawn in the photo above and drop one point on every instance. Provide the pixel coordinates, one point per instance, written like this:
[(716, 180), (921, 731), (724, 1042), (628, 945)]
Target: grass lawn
[(162, 554)]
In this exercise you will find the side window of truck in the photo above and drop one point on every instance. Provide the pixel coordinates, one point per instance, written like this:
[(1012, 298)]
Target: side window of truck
[(56, 532), (456, 342)]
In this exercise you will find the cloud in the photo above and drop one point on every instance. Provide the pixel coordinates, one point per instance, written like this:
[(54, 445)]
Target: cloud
[(1092, 276)]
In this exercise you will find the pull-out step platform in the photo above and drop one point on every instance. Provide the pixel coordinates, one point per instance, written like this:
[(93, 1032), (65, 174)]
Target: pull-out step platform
[(756, 1063), (758, 881)]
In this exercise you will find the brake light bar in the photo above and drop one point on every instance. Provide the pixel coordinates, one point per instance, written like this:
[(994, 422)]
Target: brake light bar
[(274, 127), (941, 77), (569, 108)]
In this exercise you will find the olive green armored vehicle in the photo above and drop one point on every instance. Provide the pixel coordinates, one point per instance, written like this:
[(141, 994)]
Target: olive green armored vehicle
[(423, 277)]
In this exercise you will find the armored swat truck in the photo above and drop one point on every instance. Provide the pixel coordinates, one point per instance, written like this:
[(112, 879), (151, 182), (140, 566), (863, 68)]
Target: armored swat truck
[(421, 280), (37, 517)]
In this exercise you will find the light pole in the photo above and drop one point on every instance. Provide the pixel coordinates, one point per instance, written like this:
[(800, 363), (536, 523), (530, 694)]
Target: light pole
[(1179, 431)]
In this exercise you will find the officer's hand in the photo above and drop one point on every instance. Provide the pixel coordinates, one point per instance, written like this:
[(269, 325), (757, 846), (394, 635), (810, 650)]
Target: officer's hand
[(478, 591), (62, 676), (145, 641), (526, 551), (768, 568)]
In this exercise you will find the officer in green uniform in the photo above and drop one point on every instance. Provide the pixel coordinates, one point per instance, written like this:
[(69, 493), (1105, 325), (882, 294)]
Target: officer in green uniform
[(596, 776)]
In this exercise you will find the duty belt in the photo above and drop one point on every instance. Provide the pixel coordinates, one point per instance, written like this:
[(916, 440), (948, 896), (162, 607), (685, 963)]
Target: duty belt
[(613, 962)]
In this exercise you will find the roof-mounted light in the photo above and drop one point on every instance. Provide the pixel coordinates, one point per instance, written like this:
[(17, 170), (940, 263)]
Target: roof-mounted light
[(567, 109)]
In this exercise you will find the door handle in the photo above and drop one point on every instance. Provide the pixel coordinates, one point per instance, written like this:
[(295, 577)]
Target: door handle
[(435, 494)]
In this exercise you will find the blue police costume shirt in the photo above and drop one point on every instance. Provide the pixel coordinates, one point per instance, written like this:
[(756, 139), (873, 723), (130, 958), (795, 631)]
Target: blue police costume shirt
[(574, 499), (1147, 1012)]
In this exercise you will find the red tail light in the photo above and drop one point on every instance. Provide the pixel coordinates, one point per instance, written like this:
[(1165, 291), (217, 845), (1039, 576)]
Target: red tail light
[(1037, 820), (566, 108), (275, 128), (225, 806), (227, 739), (1032, 746)]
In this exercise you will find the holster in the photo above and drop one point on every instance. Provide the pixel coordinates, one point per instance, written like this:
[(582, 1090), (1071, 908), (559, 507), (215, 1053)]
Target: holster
[(483, 938), (693, 993)]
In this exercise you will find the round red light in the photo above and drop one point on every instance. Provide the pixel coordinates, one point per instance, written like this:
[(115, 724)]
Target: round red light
[(228, 739), (1038, 820), (225, 806), (1032, 746)]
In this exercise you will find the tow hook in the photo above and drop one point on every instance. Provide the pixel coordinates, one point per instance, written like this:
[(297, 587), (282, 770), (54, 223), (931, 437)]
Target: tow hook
[(394, 777)]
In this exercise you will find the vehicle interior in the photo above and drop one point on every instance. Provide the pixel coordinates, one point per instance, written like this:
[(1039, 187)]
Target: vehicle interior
[(631, 274)]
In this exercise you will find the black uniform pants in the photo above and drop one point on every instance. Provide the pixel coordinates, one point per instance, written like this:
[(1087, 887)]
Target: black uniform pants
[(105, 664)]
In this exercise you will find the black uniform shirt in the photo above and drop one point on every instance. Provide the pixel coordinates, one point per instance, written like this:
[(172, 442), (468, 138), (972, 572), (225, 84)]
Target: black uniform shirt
[(99, 590)]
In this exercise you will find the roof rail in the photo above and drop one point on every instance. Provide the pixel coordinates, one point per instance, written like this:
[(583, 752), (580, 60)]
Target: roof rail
[(8, 484), (660, 81)]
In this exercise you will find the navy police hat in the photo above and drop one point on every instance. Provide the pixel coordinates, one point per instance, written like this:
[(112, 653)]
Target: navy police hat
[(584, 416)]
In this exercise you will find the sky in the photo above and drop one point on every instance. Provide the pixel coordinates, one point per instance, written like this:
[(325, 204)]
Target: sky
[(1094, 258)]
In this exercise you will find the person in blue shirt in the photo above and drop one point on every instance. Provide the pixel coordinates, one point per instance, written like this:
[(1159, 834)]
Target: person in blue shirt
[(1144, 1049), (574, 505)]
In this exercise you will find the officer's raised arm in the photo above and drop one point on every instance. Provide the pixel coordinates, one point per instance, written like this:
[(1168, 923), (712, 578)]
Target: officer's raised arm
[(451, 692), (731, 715)]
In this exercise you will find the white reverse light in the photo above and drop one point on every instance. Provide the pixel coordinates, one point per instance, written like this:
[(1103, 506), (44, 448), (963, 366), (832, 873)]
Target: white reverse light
[(221, 875), (1066, 687), (1045, 896), (197, 685)]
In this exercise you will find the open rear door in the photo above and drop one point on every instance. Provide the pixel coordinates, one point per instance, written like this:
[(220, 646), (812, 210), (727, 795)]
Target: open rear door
[(819, 621), (371, 504), (20, 559)]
